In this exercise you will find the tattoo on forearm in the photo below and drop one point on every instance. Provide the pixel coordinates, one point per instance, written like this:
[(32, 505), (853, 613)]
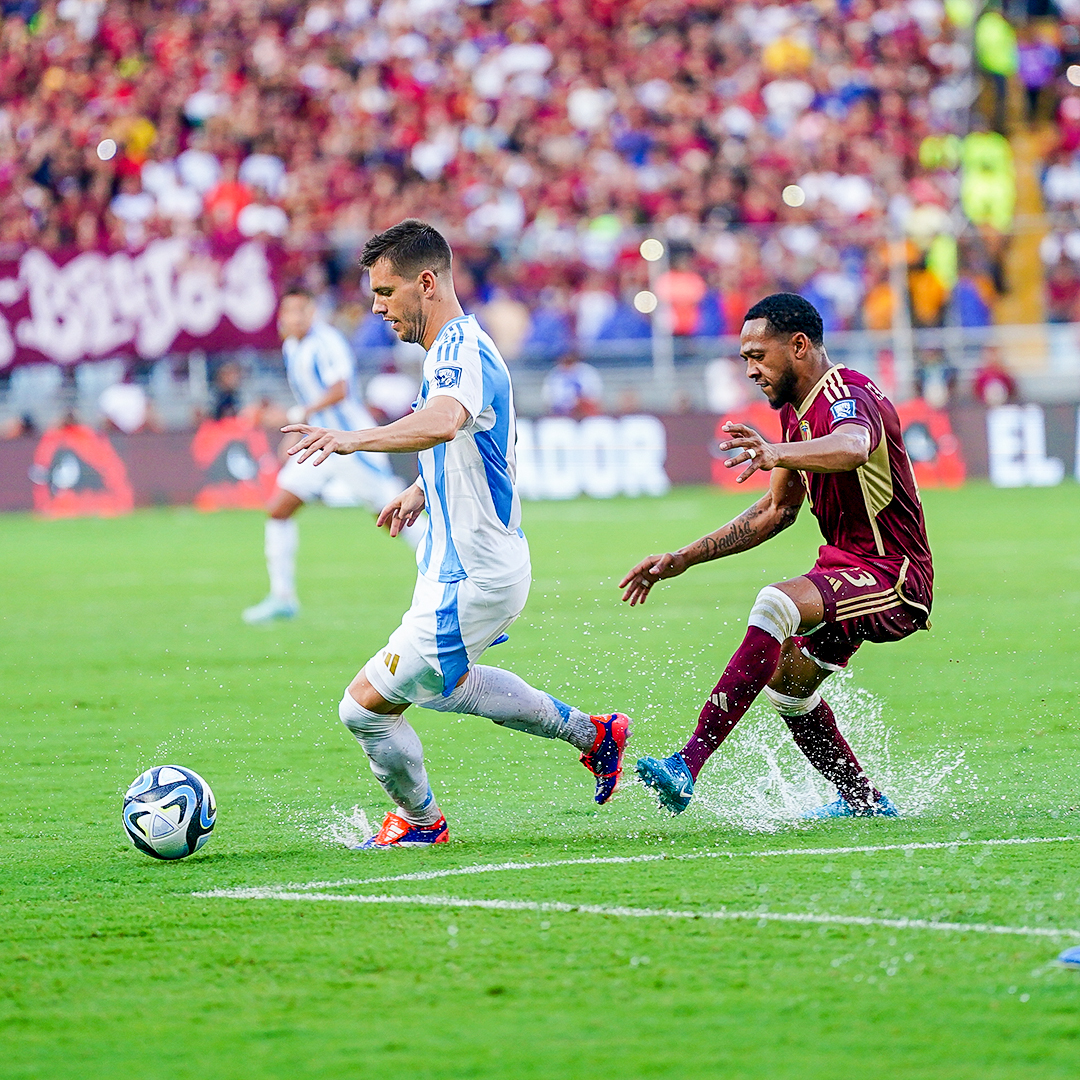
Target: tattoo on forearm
[(787, 515), (743, 533), (735, 538)]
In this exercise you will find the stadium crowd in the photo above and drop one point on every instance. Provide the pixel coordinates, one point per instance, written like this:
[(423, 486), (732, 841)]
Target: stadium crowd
[(772, 146)]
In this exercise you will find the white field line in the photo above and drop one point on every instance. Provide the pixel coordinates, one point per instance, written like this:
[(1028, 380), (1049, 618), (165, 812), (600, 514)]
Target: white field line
[(643, 913), (620, 860)]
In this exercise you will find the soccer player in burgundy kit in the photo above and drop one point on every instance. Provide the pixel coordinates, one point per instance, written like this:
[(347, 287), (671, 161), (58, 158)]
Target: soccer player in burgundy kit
[(873, 580)]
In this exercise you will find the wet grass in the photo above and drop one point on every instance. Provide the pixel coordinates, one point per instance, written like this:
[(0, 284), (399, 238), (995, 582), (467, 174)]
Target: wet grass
[(123, 648)]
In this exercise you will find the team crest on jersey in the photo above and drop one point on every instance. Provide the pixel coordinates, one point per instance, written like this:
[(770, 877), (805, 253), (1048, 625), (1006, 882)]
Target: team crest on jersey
[(844, 409), (446, 377), (804, 430)]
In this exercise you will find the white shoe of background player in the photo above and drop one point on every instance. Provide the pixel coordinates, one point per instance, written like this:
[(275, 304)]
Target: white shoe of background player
[(270, 609)]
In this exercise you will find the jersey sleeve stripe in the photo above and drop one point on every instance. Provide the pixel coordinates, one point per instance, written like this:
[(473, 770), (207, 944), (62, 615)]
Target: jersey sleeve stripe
[(424, 561), (450, 568), (493, 444)]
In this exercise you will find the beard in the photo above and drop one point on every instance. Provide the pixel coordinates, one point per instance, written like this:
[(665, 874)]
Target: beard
[(784, 390), (412, 326)]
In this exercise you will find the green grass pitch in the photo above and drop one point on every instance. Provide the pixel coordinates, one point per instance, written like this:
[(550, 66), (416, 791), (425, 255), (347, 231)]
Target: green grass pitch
[(123, 647)]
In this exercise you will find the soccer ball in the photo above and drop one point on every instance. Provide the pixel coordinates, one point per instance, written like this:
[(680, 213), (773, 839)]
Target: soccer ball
[(169, 812)]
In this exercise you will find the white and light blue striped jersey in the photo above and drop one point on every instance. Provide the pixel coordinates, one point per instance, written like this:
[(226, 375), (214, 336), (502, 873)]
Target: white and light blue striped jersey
[(469, 482), (314, 363)]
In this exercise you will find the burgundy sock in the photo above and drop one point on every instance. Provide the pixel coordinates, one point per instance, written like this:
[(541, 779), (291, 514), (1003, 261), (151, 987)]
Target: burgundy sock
[(747, 673), (818, 737)]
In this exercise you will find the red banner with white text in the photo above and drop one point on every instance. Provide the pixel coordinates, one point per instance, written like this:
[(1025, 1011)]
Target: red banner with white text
[(174, 295)]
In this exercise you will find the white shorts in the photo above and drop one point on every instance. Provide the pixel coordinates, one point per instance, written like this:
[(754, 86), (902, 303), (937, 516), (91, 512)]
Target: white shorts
[(341, 480), (446, 629)]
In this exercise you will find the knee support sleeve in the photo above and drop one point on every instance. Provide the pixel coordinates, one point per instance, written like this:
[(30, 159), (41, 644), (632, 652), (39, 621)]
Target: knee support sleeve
[(364, 723), (775, 613), (788, 706)]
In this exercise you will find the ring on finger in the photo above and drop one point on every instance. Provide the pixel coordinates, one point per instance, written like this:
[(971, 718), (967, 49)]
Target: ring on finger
[(751, 453)]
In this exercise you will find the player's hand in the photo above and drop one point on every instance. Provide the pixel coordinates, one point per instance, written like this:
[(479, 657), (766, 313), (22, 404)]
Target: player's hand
[(647, 573), (752, 448), (320, 441), (402, 510), (287, 441)]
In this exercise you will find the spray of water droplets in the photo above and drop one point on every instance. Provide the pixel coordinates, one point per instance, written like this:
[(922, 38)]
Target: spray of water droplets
[(335, 827), (761, 782)]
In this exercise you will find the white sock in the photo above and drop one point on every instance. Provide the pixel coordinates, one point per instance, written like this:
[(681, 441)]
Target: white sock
[(511, 702), (396, 758), (282, 537)]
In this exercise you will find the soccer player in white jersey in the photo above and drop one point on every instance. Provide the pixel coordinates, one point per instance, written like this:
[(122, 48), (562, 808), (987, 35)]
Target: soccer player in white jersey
[(474, 570), (319, 366)]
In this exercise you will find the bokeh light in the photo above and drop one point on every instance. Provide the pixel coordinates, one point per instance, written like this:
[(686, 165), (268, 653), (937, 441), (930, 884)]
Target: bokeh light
[(1072, 73), (651, 250), (106, 149), (646, 302), (793, 195)]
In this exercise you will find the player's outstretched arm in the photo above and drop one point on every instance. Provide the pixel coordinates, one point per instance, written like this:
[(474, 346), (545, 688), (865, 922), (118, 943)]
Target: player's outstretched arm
[(438, 422), (402, 510), (772, 513)]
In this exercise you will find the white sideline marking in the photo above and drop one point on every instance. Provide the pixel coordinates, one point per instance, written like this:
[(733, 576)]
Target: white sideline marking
[(619, 860), (641, 913)]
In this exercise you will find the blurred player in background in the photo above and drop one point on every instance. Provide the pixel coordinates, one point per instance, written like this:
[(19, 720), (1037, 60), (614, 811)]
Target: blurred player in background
[(873, 579), (474, 567), (319, 365)]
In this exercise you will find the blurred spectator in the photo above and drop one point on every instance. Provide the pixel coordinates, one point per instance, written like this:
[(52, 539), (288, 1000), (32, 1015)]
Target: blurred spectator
[(993, 384), (1038, 60), (928, 295), (997, 54), (988, 180), (970, 303), (879, 304), (225, 396), (934, 378), (683, 289), (1062, 293), (551, 334), (227, 199), (625, 323), (505, 318), (573, 388)]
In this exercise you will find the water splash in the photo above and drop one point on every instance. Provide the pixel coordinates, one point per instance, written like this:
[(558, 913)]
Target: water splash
[(760, 781), (336, 828)]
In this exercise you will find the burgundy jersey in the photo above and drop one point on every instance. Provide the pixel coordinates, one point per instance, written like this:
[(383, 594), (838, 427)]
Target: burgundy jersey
[(872, 513)]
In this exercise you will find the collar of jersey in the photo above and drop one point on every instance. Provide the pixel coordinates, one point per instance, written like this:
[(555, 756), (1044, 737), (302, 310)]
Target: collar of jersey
[(807, 401), (455, 319)]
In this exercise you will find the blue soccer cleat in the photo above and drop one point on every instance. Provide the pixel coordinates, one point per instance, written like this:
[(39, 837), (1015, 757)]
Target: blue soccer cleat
[(670, 779), (604, 758), (882, 806), (397, 832), (1070, 957), (270, 610)]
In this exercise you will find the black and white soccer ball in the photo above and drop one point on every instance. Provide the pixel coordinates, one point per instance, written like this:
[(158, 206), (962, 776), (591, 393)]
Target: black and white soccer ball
[(169, 812)]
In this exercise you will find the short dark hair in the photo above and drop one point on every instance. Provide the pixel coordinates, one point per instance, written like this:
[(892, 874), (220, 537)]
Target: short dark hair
[(789, 313), (411, 247), (296, 289)]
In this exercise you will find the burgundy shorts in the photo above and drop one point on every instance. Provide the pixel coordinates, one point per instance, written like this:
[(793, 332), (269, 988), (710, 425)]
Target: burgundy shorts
[(861, 604)]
